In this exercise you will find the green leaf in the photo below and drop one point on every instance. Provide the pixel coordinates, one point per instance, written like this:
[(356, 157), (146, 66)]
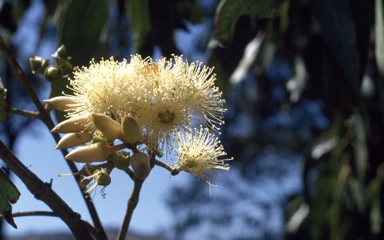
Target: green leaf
[(138, 11), (6, 209), (190, 10), (81, 27), (230, 10), (6, 187), (337, 24), (9, 189), (379, 37)]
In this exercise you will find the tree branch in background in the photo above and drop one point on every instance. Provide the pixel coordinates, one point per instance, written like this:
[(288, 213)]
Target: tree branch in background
[(132, 203), (46, 118), (44, 192)]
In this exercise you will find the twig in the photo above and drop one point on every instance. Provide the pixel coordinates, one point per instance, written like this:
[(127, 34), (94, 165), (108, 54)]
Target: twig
[(171, 169), (48, 214), (25, 113), (46, 118), (33, 213), (130, 173), (44, 192), (132, 203)]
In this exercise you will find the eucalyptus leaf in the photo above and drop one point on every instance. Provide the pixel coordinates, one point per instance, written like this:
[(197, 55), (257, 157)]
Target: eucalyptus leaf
[(336, 21), (138, 11), (80, 29), (230, 10)]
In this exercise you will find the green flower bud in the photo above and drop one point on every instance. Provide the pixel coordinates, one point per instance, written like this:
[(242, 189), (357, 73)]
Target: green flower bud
[(65, 65), (38, 64), (121, 160), (61, 52), (102, 178), (53, 73)]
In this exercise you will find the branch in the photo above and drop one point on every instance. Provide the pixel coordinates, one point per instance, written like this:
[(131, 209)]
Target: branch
[(48, 214), (171, 169), (25, 113), (132, 203), (44, 192), (46, 118), (34, 213)]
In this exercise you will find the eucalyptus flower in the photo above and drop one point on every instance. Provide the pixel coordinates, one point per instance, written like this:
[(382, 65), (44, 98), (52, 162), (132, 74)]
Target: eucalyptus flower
[(198, 153), (164, 97)]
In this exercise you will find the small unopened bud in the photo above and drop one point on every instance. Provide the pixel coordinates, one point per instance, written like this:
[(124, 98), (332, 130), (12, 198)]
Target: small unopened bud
[(53, 73), (107, 126), (73, 139), (61, 52), (96, 152), (65, 65), (102, 178), (121, 160), (61, 103), (38, 64), (71, 125), (140, 165), (130, 130)]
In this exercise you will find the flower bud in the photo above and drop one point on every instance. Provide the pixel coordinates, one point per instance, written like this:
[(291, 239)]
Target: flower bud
[(53, 73), (121, 160), (71, 125), (130, 130), (107, 126), (96, 152), (38, 64), (61, 52), (61, 103), (65, 65), (102, 178), (73, 139), (140, 165)]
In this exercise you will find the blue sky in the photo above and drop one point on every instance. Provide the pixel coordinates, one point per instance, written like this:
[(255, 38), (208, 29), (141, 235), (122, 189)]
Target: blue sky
[(36, 150)]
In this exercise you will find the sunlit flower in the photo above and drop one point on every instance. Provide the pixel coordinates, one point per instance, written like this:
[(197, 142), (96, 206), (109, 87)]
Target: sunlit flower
[(206, 101), (164, 97), (178, 95), (198, 154), (100, 88)]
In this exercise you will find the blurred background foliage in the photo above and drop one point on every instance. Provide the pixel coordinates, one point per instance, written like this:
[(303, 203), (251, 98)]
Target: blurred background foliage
[(305, 96)]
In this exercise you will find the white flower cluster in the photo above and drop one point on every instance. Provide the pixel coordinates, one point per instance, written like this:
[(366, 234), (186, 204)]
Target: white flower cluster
[(144, 103)]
